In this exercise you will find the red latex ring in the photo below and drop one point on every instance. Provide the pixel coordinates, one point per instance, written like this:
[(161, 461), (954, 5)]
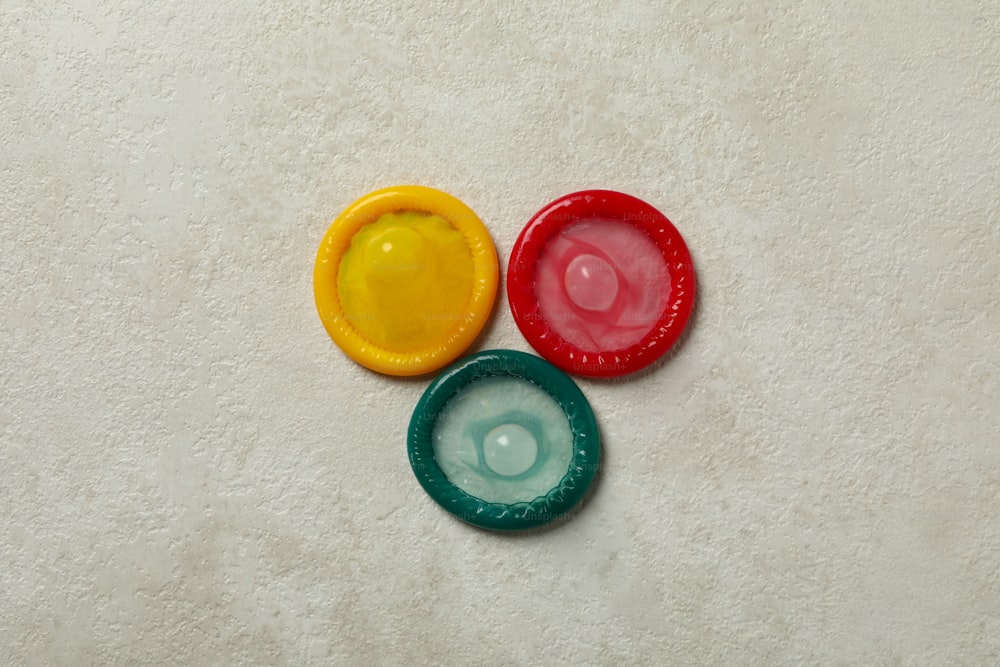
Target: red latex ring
[(605, 322)]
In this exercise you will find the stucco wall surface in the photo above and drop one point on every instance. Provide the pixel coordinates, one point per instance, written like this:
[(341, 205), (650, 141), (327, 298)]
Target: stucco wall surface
[(192, 473)]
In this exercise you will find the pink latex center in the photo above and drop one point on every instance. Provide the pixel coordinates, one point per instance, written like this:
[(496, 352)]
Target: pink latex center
[(601, 284), (591, 283)]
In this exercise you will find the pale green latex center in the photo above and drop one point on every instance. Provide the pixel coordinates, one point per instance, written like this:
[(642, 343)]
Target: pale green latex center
[(510, 449), (503, 439)]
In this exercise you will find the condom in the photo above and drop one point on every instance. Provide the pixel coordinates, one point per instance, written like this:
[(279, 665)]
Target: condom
[(504, 440), (600, 283), (405, 279)]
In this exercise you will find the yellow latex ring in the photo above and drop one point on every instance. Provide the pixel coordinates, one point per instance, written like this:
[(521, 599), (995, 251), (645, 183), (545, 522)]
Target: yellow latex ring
[(405, 279)]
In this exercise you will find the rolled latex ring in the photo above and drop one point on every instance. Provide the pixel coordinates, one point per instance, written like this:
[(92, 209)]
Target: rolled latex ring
[(600, 283), (405, 278), (504, 440)]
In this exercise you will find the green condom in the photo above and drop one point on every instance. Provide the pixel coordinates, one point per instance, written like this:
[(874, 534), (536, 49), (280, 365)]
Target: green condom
[(504, 440)]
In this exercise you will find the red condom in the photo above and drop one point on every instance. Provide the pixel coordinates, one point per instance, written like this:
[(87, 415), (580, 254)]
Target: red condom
[(600, 283)]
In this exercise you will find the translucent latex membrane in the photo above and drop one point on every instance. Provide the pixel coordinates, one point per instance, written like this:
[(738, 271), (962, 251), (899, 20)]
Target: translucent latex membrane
[(405, 279), (406, 262), (600, 283), (504, 440)]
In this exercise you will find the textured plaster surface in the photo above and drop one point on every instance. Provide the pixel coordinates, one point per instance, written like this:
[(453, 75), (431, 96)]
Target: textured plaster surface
[(194, 474)]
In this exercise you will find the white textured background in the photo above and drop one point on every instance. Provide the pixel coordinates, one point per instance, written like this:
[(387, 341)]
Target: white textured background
[(192, 473)]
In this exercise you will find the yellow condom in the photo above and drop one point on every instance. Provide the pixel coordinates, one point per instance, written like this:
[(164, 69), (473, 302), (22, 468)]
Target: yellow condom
[(405, 279)]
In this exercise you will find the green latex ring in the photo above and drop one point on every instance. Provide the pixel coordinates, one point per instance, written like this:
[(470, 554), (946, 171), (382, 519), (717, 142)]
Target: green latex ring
[(498, 516)]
